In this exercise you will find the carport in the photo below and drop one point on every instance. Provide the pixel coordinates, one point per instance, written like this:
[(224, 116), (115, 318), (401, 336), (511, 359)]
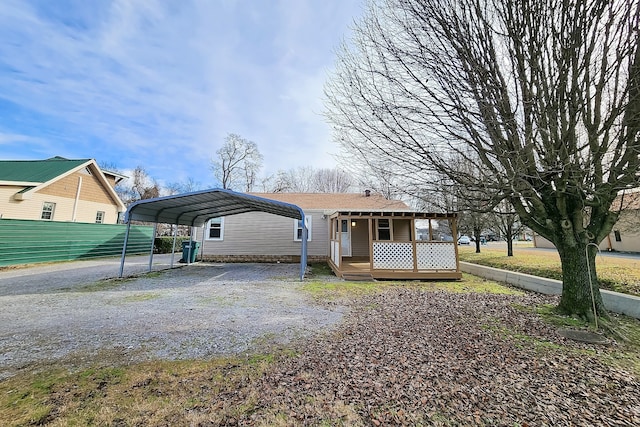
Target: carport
[(196, 208)]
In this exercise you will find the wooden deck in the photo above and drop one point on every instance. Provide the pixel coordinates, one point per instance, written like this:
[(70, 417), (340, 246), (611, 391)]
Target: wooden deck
[(356, 270)]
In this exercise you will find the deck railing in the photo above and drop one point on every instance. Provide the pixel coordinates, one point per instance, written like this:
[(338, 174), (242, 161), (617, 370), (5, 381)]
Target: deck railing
[(400, 256)]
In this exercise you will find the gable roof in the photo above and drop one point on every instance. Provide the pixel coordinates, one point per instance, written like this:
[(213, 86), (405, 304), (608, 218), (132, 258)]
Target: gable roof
[(34, 175), (338, 201), (33, 172)]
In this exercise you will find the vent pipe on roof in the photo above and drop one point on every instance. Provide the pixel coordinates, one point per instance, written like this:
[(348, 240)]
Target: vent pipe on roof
[(367, 193)]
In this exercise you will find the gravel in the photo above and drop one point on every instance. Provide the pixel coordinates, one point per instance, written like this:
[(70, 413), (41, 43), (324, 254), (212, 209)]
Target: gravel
[(192, 312)]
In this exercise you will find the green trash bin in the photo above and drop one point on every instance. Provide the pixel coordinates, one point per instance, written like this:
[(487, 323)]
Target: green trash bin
[(194, 246)]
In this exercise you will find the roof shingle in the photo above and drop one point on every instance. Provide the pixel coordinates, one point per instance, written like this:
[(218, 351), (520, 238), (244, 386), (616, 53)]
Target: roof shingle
[(338, 201)]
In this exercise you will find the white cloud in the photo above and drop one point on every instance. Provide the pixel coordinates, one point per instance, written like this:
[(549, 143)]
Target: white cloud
[(161, 84)]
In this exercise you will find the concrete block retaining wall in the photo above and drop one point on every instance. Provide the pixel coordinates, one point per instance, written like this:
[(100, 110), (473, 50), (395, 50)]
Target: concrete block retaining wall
[(613, 301), (261, 258)]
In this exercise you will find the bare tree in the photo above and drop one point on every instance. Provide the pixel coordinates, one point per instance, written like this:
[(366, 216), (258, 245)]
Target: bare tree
[(237, 164), (306, 179), (332, 181), (188, 186), (507, 222), (543, 96)]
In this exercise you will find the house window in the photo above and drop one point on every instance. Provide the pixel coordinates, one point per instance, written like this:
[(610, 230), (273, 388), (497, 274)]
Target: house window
[(215, 229), (99, 217), (297, 229), (384, 229), (47, 211), (616, 233)]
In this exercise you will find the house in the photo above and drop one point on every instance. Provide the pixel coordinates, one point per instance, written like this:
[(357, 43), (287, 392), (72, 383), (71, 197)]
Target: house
[(359, 235), (625, 235), (59, 189)]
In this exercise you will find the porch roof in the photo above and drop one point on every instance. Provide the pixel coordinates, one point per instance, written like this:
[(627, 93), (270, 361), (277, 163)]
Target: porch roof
[(395, 214)]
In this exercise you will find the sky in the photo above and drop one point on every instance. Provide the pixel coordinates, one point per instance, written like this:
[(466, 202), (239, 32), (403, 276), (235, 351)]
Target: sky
[(161, 83)]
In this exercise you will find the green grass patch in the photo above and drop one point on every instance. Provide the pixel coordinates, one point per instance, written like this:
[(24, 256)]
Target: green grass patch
[(150, 393), (616, 274), (320, 269)]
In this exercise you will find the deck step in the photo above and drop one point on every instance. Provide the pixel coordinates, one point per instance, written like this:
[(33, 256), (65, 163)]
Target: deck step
[(358, 277)]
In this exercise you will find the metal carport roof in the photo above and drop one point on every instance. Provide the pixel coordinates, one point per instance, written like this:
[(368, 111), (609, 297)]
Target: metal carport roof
[(196, 208)]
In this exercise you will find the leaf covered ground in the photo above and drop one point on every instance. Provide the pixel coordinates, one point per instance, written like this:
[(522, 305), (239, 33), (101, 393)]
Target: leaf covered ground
[(405, 355)]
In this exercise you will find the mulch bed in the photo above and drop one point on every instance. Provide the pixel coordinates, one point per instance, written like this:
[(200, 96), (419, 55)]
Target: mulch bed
[(417, 357)]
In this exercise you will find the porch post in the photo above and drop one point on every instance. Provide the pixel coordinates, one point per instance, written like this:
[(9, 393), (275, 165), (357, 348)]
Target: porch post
[(414, 244), (454, 230), (370, 224)]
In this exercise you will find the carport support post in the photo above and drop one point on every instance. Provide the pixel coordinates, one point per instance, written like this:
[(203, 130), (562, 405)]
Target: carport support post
[(202, 244), (124, 248), (173, 247), (303, 250), (153, 241)]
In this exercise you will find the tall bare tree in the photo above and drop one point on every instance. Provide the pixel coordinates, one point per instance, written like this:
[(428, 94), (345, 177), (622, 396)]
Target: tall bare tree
[(542, 95), (306, 179), (237, 164)]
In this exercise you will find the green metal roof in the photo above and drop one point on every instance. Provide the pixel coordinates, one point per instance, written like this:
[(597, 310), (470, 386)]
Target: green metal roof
[(36, 170)]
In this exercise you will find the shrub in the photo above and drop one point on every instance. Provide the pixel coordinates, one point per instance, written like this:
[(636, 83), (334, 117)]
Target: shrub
[(162, 245)]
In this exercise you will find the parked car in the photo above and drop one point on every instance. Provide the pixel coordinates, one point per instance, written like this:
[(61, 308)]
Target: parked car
[(464, 240)]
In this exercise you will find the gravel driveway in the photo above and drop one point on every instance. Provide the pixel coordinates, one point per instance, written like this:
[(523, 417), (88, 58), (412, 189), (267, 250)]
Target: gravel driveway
[(195, 311)]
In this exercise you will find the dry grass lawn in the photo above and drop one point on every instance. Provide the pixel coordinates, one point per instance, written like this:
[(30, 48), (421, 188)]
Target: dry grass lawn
[(615, 274)]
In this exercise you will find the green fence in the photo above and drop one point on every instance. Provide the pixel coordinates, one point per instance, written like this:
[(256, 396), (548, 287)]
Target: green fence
[(26, 242)]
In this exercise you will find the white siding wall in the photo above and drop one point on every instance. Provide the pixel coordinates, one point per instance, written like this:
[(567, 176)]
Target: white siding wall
[(259, 233)]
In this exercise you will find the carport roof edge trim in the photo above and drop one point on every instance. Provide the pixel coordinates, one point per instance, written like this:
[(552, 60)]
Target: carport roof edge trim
[(195, 208)]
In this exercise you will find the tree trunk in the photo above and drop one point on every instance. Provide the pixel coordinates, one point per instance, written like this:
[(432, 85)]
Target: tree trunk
[(476, 234), (509, 245), (580, 291)]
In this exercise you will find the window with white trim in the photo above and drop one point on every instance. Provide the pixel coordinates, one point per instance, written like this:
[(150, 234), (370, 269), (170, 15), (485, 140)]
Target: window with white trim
[(99, 217), (215, 229), (48, 209), (297, 229), (384, 229)]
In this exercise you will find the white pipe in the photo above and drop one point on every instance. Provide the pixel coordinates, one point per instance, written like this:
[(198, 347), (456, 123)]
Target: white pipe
[(75, 204)]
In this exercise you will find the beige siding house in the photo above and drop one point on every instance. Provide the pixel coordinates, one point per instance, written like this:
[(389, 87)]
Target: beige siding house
[(58, 189), (358, 234), (625, 235)]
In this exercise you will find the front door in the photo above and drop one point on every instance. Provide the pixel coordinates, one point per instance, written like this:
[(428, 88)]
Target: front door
[(345, 238)]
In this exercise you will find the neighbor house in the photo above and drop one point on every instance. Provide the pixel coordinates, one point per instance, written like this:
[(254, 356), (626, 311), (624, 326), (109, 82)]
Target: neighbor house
[(59, 189), (360, 235), (625, 235)]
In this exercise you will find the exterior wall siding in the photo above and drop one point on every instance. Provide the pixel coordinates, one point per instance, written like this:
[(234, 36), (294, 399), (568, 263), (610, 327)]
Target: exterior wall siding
[(360, 238), (93, 198), (263, 234), (401, 230)]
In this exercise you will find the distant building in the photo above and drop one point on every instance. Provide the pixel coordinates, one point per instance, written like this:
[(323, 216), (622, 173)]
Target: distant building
[(59, 189)]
